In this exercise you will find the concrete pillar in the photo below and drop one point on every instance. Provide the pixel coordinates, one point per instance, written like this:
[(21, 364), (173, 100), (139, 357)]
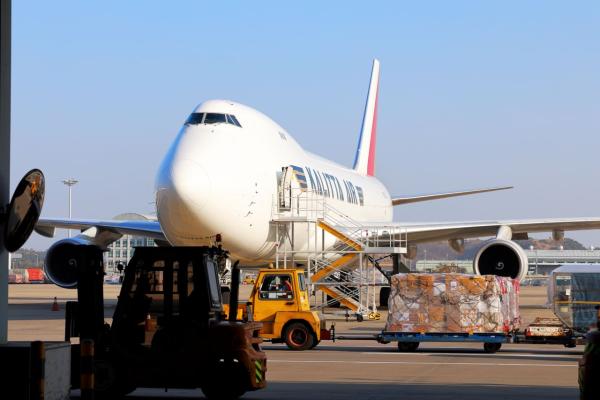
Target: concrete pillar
[(5, 16)]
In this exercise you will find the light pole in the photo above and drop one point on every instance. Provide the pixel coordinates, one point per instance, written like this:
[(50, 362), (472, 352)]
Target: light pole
[(70, 183)]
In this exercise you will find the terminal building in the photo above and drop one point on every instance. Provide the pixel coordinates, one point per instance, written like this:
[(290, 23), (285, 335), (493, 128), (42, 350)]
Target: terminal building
[(121, 251), (541, 262)]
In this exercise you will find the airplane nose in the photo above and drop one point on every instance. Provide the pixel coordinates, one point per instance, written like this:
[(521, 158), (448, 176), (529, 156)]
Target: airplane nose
[(182, 192), (189, 183)]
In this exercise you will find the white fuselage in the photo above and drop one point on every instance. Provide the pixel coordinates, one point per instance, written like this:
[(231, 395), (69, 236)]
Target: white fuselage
[(220, 178)]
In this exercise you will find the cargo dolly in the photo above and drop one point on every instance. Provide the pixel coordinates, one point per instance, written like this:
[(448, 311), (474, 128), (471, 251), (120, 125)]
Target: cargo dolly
[(492, 342), (409, 341)]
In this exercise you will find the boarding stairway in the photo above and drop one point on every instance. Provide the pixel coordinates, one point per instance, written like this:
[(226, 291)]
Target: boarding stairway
[(342, 270)]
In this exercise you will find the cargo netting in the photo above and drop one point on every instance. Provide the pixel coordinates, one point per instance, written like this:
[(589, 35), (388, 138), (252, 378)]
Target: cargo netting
[(453, 303)]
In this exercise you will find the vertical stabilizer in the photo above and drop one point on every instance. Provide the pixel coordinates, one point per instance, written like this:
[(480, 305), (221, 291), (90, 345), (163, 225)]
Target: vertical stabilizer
[(364, 162)]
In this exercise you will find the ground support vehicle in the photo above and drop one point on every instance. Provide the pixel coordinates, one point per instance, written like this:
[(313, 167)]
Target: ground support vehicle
[(168, 328), (286, 317), (280, 302), (549, 331)]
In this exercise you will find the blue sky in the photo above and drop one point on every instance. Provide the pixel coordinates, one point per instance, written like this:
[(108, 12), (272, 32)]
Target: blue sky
[(472, 94)]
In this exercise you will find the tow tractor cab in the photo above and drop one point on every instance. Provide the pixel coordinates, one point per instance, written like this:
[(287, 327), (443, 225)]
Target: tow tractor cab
[(280, 302), (168, 328)]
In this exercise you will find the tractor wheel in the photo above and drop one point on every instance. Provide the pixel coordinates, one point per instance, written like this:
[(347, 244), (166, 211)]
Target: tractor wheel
[(298, 336)]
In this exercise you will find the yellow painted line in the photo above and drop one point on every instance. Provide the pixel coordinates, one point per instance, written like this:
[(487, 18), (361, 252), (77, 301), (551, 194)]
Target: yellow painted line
[(577, 302), (326, 227)]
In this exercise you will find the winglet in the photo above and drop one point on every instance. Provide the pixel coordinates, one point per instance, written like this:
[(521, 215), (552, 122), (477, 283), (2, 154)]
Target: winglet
[(364, 161)]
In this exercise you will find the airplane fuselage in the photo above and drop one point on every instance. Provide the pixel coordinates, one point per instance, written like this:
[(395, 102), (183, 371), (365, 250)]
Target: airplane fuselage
[(223, 178)]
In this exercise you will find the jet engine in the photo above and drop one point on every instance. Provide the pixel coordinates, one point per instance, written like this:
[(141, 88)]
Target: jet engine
[(502, 258), (62, 260)]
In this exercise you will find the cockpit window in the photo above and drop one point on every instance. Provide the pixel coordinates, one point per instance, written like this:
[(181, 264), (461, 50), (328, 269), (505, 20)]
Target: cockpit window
[(195, 119), (212, 118), (235, 121)]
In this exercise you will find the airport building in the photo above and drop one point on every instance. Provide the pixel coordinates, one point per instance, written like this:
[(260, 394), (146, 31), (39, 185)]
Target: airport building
[(541, 262), (121, 250)]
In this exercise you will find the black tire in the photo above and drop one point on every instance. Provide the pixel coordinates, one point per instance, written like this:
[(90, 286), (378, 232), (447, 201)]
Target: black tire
[(228, 382), (491, 348), (384, 296), (111, 382), (222, 392), (315, 341), (407, 347), (298, 336)]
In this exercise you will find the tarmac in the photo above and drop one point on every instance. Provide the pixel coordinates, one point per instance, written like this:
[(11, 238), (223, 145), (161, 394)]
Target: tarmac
[(357, 369)]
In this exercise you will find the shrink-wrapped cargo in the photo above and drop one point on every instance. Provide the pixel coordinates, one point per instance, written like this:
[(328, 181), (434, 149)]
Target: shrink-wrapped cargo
[(452, 303)]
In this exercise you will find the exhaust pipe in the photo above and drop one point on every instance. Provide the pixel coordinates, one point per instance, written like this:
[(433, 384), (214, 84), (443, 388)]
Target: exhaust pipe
[(235, 292)]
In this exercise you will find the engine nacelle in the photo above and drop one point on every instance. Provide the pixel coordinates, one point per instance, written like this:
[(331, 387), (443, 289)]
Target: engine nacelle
[(62, 259), (502, 258)]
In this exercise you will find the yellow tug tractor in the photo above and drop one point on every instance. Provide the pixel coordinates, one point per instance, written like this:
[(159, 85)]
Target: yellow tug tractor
[(168, 328), (280, 302)]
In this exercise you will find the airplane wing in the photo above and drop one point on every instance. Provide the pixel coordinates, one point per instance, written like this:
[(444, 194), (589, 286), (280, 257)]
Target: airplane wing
[(426, 197), (146, 228), (432, 232)]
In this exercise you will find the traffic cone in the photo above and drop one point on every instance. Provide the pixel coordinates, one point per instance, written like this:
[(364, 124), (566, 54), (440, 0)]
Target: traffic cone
[(55, 306)]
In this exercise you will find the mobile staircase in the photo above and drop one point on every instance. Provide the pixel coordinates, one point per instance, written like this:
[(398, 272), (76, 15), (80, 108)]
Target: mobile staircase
[(335, 250)]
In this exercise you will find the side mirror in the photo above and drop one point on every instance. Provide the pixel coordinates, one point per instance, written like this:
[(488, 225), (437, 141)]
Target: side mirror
[(24, 210)]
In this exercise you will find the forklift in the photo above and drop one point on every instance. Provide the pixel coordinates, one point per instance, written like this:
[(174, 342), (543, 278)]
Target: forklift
[(168, 328)]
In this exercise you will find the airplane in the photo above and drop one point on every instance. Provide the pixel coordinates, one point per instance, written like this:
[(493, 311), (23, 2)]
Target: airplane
[(224, 171)]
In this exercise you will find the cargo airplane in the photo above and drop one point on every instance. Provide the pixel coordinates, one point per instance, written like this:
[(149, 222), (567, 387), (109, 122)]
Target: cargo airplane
[(224, 172)]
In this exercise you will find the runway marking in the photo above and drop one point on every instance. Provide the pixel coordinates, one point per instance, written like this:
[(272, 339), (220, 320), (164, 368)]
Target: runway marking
[(574, 356), (418, 363)]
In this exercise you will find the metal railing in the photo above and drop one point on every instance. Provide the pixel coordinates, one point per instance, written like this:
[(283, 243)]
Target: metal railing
[(349, 280)]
